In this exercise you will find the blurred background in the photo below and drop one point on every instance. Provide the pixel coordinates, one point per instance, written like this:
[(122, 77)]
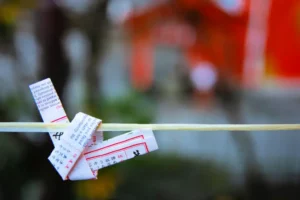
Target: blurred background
[(157, 61)]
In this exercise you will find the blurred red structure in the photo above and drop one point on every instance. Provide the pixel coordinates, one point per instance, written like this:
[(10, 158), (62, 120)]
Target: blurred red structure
[(199, 28), (253, 42), (283, 42)]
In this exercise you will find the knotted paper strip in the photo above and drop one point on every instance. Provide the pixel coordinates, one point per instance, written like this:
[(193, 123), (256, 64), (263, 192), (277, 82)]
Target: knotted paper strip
[(71, 148), (80, 151), (121, 148), (52, 110)]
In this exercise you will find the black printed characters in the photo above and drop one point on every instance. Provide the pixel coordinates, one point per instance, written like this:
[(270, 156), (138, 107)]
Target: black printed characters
[(136, 153), (57, 135)]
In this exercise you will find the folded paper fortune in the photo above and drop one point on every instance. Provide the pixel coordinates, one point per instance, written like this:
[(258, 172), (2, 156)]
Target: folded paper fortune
[(79, 151)]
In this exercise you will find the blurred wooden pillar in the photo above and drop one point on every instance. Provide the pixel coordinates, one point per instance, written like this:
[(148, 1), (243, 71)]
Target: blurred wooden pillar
[(51, 27)]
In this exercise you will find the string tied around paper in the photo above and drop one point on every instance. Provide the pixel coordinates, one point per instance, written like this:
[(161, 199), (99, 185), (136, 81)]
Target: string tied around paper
[(79, 150)]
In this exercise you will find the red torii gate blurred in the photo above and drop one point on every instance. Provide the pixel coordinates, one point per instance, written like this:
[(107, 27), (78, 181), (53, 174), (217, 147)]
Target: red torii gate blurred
[(283, 43), (260, 42), (218, 37)]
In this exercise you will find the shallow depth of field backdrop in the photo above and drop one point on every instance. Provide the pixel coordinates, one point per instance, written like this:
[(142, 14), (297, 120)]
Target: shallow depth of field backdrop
[(162, 61)]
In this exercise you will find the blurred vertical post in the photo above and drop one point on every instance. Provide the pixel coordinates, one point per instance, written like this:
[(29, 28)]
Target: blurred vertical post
[(142, 62), (51, 27), (95, 27)]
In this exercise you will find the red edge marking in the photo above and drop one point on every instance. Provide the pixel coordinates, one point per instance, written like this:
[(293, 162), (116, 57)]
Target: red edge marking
[(58, 119), (143, 143), (114, 144)]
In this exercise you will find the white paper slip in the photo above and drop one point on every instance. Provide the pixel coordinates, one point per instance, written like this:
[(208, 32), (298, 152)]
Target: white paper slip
[(121, 148), (80, 150), (126, 137), (51, 109), (49, 105), (67, 156)]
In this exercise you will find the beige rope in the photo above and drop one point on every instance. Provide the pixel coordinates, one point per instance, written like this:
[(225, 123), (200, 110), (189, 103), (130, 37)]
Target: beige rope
[(55, 127)]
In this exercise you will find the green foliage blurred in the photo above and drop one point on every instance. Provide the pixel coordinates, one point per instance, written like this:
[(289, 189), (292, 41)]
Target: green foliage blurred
[(158, 177), (169, 177), (12, 107), (133, 108), (205, 175)]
